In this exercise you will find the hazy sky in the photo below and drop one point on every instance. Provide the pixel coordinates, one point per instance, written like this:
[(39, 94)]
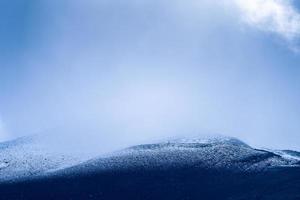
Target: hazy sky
[(135, 70)]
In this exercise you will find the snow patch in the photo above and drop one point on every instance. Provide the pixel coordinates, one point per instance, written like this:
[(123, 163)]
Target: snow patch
[(4, 165)]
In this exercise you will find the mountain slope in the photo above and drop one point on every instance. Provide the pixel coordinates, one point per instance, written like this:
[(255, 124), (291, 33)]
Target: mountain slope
[(197, 168), (31, 156), (223, 153)]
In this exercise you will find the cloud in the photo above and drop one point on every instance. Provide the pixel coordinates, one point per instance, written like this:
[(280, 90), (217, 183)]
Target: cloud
[(276, 16)]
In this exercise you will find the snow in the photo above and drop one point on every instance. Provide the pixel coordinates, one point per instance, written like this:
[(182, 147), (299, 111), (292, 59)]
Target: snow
[(292, 156), (208, 153), (30, 157), (3, 165)]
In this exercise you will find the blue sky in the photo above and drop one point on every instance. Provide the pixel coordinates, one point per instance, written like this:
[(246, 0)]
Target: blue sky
[(139, 70)]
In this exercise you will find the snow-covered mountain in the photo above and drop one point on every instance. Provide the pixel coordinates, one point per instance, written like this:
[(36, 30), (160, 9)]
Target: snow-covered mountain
[(184, 168), (218, 152), (31, 156)]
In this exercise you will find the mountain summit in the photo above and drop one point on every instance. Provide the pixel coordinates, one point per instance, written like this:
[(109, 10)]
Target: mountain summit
[(184, 168)]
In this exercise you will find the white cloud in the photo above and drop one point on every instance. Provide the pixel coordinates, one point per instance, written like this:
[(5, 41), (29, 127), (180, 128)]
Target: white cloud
[(276, 16)]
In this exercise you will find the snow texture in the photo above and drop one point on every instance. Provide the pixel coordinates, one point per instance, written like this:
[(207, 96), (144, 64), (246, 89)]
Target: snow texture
[(29, 157), (218, 153)]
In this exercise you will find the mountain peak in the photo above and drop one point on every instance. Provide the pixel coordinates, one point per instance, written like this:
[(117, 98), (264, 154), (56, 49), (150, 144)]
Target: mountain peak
[(209, 139)]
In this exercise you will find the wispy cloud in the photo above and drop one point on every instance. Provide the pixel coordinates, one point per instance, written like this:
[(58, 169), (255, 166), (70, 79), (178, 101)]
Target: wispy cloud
[(276, 16)]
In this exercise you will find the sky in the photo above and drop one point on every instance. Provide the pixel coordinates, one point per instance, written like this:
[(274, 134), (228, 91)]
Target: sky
[(122, 72)]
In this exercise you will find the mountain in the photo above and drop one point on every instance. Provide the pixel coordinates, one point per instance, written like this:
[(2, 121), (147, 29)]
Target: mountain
[(218, 153), (185, 168), (32, 156)]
